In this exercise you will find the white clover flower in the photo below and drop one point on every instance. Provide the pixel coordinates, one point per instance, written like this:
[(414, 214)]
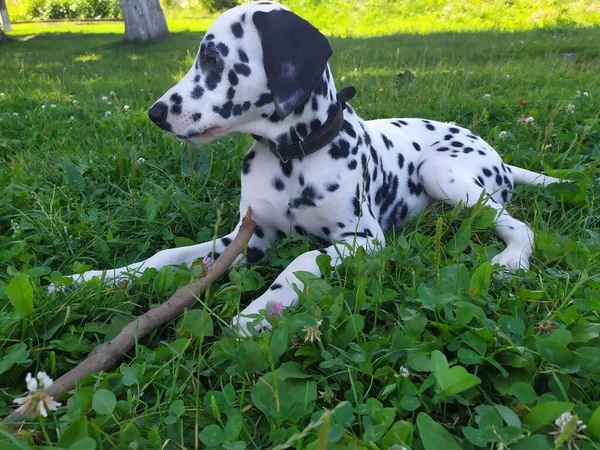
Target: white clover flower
[(487, 96), (36, 401), (2, 94), (585, 94), (52, 106), (141, 90), (126, 108), (112, 93), (75, 102), (503, 135), (526, 120), (43, 106), (568, 430), (141, 161), (507, 76), (312, 333), (570, 109), (403, 372), (578, 94), (104, 98), (71, 119), (16, 114), (107, 113)]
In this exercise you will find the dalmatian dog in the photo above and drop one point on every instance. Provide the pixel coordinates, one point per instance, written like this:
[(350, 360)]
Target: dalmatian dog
[(317, 168)]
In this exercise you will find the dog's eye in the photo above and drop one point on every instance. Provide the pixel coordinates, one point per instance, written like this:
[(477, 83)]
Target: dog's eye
[(210, 57)]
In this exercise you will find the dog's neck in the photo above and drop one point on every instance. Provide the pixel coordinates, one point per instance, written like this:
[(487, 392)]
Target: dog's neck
[(309, 117)]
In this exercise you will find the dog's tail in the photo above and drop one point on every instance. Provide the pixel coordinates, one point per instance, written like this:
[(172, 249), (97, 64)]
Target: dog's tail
[(524, 176)]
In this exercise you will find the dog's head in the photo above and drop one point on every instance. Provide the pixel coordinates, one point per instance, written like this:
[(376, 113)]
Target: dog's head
[(256, 61)]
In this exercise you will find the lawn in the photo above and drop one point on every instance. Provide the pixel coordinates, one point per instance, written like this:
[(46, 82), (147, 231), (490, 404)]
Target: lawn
[(422, 346)]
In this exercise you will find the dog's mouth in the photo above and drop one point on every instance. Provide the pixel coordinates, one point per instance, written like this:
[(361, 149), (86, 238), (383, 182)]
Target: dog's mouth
[(206, 135)]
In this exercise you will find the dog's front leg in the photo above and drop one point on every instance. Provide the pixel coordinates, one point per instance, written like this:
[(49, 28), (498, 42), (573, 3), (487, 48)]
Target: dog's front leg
[(371, 239), (183, 255)]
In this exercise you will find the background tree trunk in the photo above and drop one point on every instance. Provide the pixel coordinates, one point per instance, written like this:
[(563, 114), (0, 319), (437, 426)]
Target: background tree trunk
[(144, 20), (4, 19)]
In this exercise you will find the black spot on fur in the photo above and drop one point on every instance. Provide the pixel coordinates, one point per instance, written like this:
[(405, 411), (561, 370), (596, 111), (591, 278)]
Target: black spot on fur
[(237, 29), (301, 231), (386, 141), (430, 127), (264, 99), (339, 149), (254, 254), (477, 182), (225, 241), (400, 160), (176, 110), (258, 232), (196, 117), (243, 56), (246, 165), (176, 98), (307, 197), (352, 164), (341, 225), (233, 78), (416, 146), (481, 152), (453, 130), (286, 167), (326, 231), (457, 144), (467, 150), (332, 187), (278, 184), (223, 49), (275, 286), (356, 202), (349, 129), (225, 110), (487, 172), (242, 69), (374, 157), (301, 179), (498, 179), (443, 149), (411, 168), (230, 93), (197, 92)]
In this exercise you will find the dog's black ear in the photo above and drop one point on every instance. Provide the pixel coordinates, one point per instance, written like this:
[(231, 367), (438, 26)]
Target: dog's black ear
[(295, 55)]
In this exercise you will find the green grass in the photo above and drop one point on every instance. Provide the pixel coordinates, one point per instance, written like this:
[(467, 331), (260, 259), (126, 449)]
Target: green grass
[(73, 196)]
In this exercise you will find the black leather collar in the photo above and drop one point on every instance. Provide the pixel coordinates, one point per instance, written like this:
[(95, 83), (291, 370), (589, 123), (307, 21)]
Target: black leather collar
[(319, 138)]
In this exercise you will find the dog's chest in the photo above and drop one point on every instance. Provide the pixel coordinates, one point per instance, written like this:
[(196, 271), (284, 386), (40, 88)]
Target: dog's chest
[(309, 195)]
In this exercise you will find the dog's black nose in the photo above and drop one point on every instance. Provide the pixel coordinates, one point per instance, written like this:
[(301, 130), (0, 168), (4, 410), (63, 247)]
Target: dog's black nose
[(158, 114)]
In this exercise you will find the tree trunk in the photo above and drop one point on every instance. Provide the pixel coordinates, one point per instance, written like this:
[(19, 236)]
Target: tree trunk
[(4, 19), (144, 20)]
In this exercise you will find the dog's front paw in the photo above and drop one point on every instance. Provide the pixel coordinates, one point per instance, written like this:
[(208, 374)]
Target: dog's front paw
[(248, 326), (76, 280), (513, 260)]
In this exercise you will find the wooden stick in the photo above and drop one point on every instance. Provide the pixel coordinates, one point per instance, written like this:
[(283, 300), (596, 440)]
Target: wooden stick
[(107, 355)]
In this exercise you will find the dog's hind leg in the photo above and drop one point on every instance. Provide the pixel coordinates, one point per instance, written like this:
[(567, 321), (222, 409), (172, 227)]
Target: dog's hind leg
[(256, 248), (454, 184)]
